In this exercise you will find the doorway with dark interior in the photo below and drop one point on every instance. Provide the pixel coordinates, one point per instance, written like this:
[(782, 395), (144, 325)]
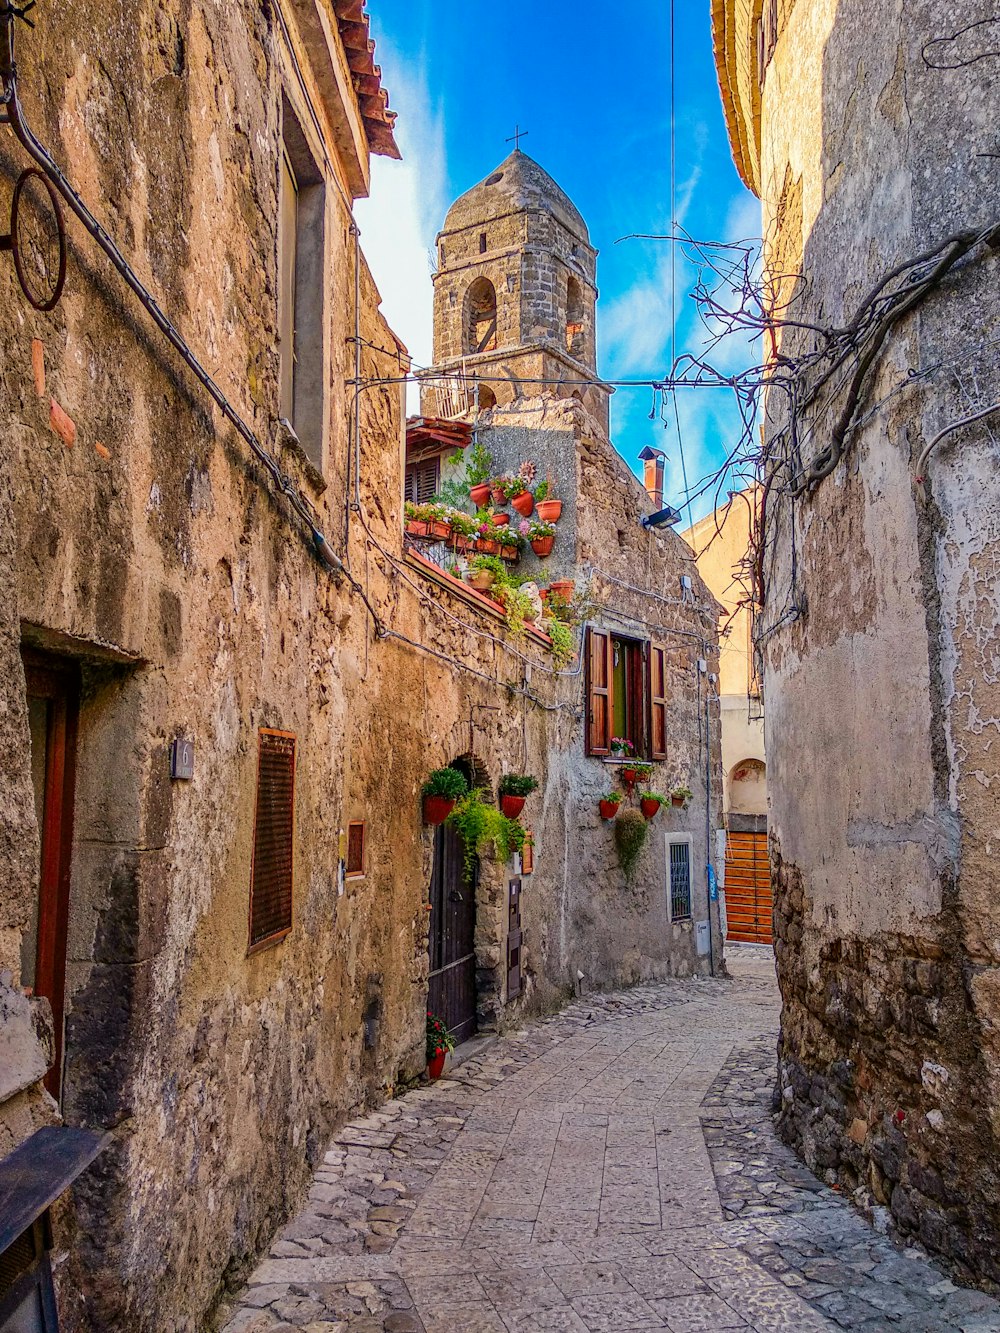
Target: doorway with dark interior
[(452, 981)]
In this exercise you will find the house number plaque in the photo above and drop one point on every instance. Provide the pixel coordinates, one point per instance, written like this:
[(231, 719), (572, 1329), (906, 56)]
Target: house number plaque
[(182, 759)]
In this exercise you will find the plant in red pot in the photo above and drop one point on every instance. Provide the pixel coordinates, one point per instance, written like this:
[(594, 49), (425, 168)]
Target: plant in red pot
[(478, 467), (514, 790), (541, 536), (549, 509), (610, 804), (633, 772), (650, 802), (680, 796), (440, 792), (439, 1043)]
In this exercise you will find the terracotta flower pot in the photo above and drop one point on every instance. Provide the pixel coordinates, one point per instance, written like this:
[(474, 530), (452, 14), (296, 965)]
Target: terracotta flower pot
[(511, 806), (629, 776), (501, 520), (497, 496), (609, 809), (481, 580), (459, 541), (437, 809), (435, 1065), (440, 529), (479, 495), (508, 552), (487, 547), (524, 504), (549, 511), (415, 528), (677, 800), (562, 588), (542, 546), (649, 808)]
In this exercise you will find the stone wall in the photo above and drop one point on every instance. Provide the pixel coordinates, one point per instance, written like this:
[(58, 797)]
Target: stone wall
[(880, 637)]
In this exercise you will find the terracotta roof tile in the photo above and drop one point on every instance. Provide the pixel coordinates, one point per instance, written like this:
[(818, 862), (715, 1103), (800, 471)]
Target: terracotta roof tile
[(373, 99)]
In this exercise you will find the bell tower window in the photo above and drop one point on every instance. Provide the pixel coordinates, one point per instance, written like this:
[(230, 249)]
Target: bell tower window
[(480, 317), (575, 332)]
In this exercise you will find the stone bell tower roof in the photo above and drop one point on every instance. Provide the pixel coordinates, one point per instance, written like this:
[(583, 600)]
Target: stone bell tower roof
[(515, 186)]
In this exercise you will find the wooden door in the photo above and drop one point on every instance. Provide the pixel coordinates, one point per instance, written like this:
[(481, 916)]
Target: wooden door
[(452, 992), (748, 889), (53, 701)]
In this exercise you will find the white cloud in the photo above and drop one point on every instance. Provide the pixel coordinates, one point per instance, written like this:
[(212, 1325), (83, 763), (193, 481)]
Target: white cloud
[(406, 207)]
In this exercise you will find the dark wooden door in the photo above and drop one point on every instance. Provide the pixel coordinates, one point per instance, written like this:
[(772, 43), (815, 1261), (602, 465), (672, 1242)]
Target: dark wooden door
[(53, 700), (452, 993)]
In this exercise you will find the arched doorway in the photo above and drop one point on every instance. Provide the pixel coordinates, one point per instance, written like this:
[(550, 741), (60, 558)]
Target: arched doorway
[(452, 981)]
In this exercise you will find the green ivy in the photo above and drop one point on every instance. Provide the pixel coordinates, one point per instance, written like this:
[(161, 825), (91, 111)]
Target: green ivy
[(480, 825), (631, 831)]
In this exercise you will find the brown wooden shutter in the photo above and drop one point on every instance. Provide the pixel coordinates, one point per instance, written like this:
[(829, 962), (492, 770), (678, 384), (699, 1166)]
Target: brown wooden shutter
[(355, 849), (422, 480), (273, 835), (598, 692), (657, 702)]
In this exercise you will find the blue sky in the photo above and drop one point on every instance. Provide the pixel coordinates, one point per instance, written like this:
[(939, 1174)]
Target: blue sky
[(592, 88)]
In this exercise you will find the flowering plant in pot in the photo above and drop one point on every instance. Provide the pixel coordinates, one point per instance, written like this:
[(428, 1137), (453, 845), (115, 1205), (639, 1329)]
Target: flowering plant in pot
[(485, 571), (439, 1043), (633, 772), (418, 519), (621, 745), (680, 796), (650, 802), (489, 538), (514, 790), (444, 786), (548, 508), (541, 537), (609, 804)]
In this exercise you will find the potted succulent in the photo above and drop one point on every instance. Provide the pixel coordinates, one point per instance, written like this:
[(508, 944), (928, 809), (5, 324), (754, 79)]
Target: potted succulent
[(650, 802), (444, 786), (477, 474), (680, 796), (548, 507), (514, 790), (541, 537), (633, 772), (439, 1043), (609, 804)]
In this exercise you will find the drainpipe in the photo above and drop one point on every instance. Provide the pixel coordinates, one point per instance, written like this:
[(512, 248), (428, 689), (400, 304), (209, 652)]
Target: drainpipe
[(709, 871)]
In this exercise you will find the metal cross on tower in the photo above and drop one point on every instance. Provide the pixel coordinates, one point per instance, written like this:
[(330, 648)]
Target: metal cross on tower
[(516, 137)]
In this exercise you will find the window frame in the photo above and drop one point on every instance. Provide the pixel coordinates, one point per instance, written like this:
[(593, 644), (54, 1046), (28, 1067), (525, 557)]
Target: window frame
[(679, 840), (360, 873), (282, 932), (646, 709), (412, 470)]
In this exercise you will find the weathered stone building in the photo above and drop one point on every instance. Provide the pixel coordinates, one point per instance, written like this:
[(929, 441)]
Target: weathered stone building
[(869, 132), (225, 675)]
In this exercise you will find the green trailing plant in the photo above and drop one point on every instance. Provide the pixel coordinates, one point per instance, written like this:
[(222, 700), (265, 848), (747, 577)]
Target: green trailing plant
[(683, 793), (478, 465), (439, 1039), (517, 606), (446, 782), (517, 784), (631, 832), (480, 825), (561, 635)]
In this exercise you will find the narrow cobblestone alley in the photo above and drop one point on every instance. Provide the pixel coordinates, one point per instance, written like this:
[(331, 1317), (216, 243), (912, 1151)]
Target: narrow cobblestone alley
[(612, 1168)]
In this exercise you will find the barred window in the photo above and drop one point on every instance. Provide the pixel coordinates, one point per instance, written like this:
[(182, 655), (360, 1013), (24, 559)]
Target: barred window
[(273, 836), (679, 863)]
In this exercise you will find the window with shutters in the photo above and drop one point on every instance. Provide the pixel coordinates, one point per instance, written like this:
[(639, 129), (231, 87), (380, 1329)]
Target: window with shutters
[(626, 694), (273, 837), (422, 480), (355, 867)]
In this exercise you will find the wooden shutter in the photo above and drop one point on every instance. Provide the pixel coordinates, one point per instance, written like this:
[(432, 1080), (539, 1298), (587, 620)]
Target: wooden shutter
[(514, 940), (422, 480), (273, 834), (657, 702), (599, 712), (355, 849)]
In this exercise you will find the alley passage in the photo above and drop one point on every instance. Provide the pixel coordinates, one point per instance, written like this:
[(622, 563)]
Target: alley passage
[(610, 1169)]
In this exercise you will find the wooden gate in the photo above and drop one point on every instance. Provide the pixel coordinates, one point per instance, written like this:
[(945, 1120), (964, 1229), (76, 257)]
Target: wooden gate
[(452, 992), (748, 888)]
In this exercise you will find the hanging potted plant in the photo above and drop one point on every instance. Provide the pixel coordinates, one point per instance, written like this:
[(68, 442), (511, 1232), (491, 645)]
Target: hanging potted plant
[(514, 790), (477, 474), (488, 539), (439, 1043), (680, 796), (609, 804), (548, 507), (485, 571), (541, 537), (631, 831), (650, 802), (633, 772), (444, 786)]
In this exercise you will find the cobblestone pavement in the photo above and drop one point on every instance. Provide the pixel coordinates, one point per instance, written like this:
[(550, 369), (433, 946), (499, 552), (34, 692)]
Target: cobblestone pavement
[(611, 1169)]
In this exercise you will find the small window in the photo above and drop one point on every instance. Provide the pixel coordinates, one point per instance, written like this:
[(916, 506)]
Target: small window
[(626, 693), (273, 836), (575, 318), (482, 242), (422, 480), (301, 287), (679, 869), (355, 868)]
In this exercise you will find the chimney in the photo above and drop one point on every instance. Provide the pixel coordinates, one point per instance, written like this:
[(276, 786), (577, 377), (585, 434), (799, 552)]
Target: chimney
[(653, 463)]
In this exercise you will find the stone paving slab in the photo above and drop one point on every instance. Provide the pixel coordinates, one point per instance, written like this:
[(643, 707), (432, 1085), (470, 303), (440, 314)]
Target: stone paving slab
[(610, 1169)]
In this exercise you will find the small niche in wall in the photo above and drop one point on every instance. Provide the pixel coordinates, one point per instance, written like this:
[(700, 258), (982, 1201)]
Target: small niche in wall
[(355, 865)]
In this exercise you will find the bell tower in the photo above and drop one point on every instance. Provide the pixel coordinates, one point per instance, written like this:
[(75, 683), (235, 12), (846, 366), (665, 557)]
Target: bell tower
[(514, 295)]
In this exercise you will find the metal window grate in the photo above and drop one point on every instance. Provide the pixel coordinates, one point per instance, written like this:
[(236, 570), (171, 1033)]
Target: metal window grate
[(355, 848), (271, 874), (680, 881)]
